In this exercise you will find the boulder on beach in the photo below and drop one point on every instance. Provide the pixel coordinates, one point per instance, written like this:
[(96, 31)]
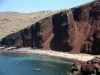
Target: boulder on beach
[(91, 67), (74, 30)]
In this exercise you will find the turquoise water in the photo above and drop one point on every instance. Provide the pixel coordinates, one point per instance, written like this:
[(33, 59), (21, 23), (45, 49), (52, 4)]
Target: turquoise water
[(32, 65)]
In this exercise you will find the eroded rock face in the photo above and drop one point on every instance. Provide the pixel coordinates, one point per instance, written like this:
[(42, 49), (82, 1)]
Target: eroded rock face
[(32, 36), (75, 30), (91, 28), (65, 36)]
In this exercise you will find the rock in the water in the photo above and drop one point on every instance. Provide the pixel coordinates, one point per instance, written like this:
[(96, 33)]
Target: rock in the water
[(75, 30), (91, 67)]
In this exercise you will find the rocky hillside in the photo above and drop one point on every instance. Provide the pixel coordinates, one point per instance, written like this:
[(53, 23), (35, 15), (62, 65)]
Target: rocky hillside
[(11, 22), (75, 30)]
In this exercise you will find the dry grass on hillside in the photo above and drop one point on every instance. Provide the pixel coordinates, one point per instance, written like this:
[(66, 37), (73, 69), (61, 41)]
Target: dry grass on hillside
[(11, 22)]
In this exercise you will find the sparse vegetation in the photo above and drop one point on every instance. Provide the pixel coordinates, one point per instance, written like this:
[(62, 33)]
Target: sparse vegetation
[(11, 22)]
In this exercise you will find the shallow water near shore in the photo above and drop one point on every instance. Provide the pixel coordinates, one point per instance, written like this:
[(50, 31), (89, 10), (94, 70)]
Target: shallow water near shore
[(32, 65)]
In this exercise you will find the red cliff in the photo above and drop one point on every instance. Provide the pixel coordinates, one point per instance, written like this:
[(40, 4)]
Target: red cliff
[(75, 30)]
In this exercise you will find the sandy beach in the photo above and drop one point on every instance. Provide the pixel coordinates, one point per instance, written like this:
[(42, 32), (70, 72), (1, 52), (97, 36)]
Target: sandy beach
[(50, 53)]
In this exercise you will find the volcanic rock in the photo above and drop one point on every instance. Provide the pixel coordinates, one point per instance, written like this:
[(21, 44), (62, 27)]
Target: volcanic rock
[(75, 30), (91, 67)]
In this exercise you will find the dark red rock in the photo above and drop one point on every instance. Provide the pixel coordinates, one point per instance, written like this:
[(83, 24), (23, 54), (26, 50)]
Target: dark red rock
[(95, 60), (75, 30), (83, 67), (32, 36), (91, 67)]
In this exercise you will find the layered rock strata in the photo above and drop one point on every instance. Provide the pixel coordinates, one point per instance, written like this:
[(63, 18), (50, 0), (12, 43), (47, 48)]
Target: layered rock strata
[(75, 30)]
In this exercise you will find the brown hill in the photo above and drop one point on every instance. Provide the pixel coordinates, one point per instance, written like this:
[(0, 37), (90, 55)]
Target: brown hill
[(74, 30), (11, 22)]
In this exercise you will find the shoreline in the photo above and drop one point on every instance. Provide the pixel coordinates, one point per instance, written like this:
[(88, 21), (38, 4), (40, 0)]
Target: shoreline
[(81, 58)]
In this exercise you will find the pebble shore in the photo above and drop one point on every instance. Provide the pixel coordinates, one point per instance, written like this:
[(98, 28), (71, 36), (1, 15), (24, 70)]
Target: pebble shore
[(50, 53)]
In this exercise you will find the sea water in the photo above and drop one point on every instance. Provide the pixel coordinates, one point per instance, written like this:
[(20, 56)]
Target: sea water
[(32, 65)]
